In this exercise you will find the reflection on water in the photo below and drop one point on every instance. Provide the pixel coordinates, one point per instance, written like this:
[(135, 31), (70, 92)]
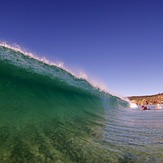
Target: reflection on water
[(135, 133)]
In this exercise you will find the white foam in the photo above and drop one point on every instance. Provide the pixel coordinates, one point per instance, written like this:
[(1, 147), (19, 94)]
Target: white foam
[(158, 106), (133, 105)]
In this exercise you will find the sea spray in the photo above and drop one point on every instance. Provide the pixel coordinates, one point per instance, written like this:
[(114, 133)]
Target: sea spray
[(81, 75)]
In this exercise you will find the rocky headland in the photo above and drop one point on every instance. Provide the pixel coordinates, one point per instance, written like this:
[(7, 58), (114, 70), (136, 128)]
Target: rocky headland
[(147, 100)]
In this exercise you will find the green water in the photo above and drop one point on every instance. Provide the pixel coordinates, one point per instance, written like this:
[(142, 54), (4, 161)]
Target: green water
[(43, 119), (47, 115)]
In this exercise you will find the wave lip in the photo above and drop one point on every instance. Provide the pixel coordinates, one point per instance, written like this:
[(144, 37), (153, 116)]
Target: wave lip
[(81, 75)]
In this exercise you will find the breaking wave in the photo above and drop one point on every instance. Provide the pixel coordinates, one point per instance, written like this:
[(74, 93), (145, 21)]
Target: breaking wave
[(50, 115)]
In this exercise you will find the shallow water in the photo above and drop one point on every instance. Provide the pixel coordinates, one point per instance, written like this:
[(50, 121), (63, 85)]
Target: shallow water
[(137, 134)]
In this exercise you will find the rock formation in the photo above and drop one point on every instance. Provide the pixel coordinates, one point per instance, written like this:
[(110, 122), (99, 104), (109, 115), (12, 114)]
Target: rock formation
[(147, 100)]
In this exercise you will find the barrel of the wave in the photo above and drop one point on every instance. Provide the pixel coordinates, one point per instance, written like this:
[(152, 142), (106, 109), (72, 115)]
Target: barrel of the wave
[(47, 114)]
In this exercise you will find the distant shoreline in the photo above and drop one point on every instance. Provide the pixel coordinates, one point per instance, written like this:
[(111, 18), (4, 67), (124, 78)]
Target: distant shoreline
[(147, 100)]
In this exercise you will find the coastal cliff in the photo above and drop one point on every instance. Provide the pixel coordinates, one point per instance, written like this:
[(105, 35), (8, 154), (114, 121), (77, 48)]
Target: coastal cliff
[(147, 100)]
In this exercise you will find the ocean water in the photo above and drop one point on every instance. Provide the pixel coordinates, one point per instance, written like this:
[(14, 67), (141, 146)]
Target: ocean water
[(48, 115)]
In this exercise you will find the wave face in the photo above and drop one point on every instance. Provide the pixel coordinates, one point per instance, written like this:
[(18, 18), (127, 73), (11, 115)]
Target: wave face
[(49, 115)]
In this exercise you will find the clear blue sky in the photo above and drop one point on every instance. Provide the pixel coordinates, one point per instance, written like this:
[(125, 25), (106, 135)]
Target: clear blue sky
[(119, 42)]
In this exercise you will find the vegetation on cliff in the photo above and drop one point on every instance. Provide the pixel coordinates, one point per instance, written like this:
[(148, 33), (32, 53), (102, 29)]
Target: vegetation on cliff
[(147, 100)]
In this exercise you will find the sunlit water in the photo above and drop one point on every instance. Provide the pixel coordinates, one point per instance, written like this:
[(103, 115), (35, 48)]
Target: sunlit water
[(137, 133)]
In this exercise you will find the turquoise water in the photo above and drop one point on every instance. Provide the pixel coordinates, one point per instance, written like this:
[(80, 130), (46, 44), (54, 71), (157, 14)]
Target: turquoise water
[(49, 115)]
